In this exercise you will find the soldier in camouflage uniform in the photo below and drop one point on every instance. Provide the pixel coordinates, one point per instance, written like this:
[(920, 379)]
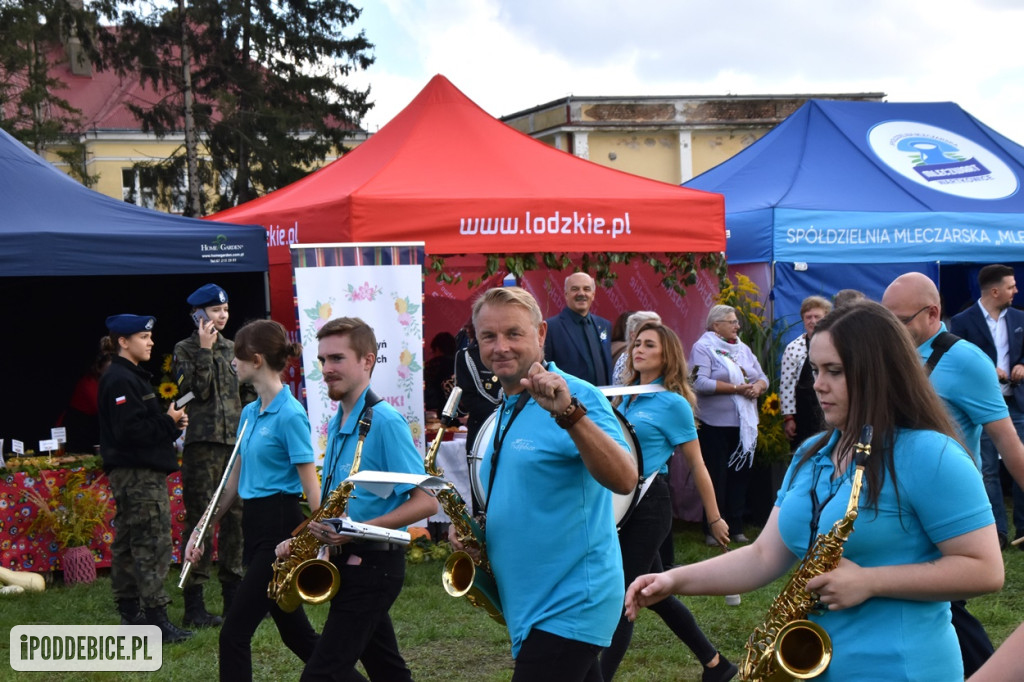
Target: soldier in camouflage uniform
[(202, 364), (137, 445)]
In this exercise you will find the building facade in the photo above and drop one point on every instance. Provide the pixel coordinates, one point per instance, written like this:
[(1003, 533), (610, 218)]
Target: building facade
[(671, 139)]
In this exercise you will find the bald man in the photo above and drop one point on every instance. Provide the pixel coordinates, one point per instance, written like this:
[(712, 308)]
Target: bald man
[(579, 342), (966, 380)]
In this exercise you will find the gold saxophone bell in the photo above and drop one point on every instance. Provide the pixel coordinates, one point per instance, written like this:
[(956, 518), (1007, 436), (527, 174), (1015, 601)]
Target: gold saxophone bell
[(803, 650), (461, 578), (314, 581)]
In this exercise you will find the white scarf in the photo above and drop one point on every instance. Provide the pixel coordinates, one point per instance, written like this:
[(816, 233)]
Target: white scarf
[(727, 353)]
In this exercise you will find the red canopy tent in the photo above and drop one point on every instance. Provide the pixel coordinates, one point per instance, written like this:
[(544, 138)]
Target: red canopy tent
[(445, 172)]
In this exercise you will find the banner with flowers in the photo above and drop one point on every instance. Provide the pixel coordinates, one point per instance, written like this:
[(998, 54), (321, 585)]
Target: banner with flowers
[(381, 284)]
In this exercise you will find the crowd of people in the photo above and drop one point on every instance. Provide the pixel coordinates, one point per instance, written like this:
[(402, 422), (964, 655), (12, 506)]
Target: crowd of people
[(944, 410)]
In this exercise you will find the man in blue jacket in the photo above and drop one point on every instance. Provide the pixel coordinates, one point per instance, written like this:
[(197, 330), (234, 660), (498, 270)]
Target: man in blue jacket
[(998, 330), (578, 342)]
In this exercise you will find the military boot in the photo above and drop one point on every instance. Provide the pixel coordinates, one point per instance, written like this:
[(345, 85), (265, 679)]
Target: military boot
[(196, 615), (170, 633), (130, 612)]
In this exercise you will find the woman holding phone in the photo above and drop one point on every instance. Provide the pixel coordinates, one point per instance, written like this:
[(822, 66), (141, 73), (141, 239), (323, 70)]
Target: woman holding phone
[(202, 367), (274, 467)]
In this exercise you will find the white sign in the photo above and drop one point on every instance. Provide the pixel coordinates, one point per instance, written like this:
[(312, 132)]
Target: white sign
[(942, 160), (18, 447), (48, 445), (59, 434), (86, 647), (390, 299)]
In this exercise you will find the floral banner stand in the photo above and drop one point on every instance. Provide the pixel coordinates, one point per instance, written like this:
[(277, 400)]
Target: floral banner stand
[(383, 285), (22, 549)]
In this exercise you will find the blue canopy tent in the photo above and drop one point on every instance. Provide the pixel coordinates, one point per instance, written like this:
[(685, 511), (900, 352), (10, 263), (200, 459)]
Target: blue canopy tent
[(852, 194), (72, 256)]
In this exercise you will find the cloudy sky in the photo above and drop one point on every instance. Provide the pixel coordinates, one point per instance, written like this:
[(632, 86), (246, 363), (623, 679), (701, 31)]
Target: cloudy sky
[(509, 55)]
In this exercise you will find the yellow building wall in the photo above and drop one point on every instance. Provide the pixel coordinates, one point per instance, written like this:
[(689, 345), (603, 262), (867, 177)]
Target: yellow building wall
[(652, 155), (107, 158), (712, 147)]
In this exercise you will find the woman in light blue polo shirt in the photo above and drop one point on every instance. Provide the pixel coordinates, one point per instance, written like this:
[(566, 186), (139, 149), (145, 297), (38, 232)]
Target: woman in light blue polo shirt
[(663, 421), (274, 467), (924, 534)]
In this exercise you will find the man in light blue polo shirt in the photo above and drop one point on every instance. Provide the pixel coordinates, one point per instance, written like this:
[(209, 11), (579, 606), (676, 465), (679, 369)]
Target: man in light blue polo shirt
[(358, 626), (557, 455), (966, 381)]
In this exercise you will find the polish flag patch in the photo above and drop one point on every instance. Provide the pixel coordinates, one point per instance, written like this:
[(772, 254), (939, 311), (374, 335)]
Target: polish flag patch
[(120, 400)]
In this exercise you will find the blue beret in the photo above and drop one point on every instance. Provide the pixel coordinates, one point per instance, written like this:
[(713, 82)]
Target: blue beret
[(208, 294), (126, 325)]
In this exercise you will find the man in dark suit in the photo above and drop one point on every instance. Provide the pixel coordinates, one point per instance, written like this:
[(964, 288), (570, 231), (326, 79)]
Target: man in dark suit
[(998, 330), (578, 342)]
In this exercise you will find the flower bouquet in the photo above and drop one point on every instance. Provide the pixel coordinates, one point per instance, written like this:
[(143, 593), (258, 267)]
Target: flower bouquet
[(72, 513)]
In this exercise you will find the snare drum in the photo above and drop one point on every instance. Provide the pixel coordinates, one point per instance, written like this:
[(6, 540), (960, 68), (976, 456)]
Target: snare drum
[(622, 505)]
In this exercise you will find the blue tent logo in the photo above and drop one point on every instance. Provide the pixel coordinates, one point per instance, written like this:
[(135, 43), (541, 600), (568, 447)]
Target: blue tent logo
[(942, 160)]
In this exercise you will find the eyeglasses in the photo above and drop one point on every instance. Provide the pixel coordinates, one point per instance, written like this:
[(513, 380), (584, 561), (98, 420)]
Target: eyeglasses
[(908, 320), (735, 323)]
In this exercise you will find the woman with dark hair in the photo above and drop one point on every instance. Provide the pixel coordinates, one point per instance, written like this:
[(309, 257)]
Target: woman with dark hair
[(924, 534), (728, 380), (663, 421), (273, 469)]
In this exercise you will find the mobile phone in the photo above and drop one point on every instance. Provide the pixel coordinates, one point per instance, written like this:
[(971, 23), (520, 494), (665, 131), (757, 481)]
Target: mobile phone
[(184, 400), (199, 316)]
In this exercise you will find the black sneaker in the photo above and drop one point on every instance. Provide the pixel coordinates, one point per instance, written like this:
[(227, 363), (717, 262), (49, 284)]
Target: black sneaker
[(724, 671)]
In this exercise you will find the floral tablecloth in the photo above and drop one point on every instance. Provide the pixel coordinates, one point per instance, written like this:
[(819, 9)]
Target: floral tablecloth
[(22, 551)]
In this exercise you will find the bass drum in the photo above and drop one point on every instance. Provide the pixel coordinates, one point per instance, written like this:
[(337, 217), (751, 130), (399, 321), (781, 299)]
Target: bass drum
[(622, 505)]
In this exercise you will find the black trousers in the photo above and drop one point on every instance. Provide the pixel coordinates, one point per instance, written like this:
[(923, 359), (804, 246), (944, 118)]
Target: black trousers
[(545, 657), (358, 626), (266, 522), (717, 443), (975, 646), (639, 542)]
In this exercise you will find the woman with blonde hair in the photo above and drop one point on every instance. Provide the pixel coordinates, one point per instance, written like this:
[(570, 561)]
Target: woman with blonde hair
[(663, 421)]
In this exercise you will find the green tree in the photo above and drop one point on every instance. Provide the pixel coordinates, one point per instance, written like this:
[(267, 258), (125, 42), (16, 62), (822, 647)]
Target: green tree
[(268, 90), (37, 36)]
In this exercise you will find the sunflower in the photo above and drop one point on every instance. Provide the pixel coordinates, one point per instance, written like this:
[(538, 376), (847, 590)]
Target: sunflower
[(168, 390), (166, 365), (771, 405)]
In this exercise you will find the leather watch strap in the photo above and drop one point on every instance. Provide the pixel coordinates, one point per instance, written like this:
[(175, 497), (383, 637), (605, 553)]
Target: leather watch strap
[(572, 414)]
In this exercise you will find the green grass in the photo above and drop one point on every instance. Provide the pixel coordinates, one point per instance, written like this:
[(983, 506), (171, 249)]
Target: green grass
[(444, 638)]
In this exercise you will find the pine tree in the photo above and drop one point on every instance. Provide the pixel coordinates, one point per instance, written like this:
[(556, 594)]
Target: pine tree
[(267, 83), (31, 108)]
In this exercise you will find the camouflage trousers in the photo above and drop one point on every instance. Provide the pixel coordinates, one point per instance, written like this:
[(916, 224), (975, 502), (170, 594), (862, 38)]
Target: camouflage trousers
[(202, 466), (141, 551)]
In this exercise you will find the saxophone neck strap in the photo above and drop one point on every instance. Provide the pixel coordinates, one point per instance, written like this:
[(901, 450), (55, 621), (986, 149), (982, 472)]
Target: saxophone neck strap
[(362, 427)]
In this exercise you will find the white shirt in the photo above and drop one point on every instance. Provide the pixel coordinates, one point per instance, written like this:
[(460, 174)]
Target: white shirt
[(1001, 338)]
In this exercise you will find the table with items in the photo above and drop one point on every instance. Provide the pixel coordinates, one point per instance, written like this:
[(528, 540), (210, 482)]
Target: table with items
[(22, 549)]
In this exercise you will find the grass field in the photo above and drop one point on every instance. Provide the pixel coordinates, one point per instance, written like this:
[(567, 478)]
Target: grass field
[(444, 638)]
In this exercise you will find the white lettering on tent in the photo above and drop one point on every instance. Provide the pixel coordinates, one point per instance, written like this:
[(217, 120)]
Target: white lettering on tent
[(557, 223), (859, 236), (279, 236)]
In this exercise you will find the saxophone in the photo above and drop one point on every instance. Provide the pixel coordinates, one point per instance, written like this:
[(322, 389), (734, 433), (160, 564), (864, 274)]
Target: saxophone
[(786, 645), (303, 576), (463, 576)]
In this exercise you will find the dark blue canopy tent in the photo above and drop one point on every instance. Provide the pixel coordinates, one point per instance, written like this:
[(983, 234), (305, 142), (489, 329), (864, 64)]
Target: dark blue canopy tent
[(72, 256), (852, 194)]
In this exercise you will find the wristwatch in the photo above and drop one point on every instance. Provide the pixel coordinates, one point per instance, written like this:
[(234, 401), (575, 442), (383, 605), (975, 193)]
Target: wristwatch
[(572, 414)]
